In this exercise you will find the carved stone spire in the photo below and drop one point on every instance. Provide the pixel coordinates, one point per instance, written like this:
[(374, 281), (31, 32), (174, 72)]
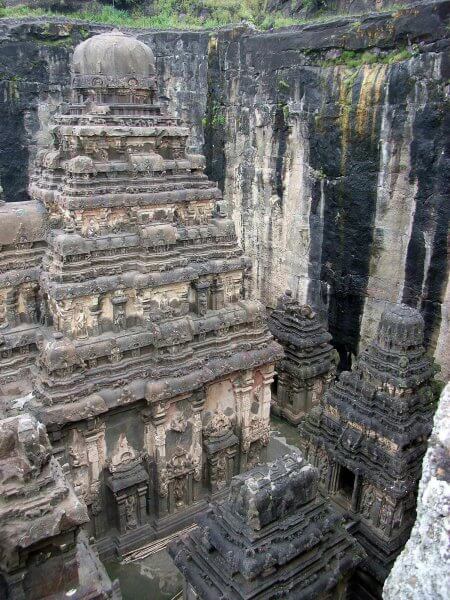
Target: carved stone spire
[(369, 435)]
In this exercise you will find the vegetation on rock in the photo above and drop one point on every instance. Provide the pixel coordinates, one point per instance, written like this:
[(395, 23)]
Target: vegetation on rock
[(166, 14)]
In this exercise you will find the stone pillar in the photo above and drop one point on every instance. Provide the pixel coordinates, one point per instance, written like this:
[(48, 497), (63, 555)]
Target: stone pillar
[(309, 392), (333, 481), (10, 307), (96, 311), (119, 312), (96, 449), (356, 491), (142, 502), (155, 444), (197, 404), (29, 301), (217, 294), (202, 289), (268, 374), (243, 386)]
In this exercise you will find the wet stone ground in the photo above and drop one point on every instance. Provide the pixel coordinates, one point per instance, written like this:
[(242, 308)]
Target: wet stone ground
[(156, 577), (153, 578)]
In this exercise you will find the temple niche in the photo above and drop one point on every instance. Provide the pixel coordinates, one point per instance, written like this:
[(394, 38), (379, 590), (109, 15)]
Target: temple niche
[(309, 364), (43, 551), (259, 542), (368, 438), (153, 365)]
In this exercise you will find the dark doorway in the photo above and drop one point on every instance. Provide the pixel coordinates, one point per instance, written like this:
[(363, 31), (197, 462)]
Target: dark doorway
[(346, 482)]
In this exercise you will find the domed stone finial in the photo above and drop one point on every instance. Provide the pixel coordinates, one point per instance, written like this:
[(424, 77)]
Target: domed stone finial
[(113, 60), (401, 326)]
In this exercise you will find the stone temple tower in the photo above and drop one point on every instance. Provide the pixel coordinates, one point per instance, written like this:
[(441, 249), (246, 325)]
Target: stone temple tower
[(309, 364), (368, 438), (154, 366)]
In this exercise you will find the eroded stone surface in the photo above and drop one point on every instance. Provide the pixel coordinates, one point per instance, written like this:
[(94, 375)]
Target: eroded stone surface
[(335, 127), (154, 365), (309, 364), (43, 553)]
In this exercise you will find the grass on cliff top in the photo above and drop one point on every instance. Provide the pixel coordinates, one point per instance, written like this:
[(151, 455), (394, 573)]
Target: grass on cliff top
[(228, 12), (180, 14)]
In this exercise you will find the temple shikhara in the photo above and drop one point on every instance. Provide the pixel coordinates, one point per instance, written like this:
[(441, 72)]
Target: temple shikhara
[(138, 374), (309, 364), (126, 326), (368, 437)]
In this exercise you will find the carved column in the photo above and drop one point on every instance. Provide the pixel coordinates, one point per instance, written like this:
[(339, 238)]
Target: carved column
[(217, 294), (10, 307), (96, 311), (96, 456), (355, 493), (202, 289), (243, 387), (268, 376), (197, 404), (155, 442), (119, 312), (309, 384), (333, 482)]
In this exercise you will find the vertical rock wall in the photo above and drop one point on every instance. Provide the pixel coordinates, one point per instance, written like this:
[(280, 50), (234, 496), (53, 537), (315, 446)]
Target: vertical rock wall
[(335, 166), (327, 139)]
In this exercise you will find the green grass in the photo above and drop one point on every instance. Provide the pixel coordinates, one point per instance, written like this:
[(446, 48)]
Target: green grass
[(179, 14), (168, 15), (354, 60)]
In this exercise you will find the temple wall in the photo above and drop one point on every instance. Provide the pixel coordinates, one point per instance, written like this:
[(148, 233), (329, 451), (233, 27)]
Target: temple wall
[(335, 170), (422, 572)]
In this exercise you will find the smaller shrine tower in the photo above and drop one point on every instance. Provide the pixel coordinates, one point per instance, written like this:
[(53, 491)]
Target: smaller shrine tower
[(274, 537), (309, 364), (368, 438)]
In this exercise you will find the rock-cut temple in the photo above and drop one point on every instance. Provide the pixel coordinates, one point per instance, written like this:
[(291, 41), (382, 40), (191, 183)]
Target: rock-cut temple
[(123, 286), (136, 375)]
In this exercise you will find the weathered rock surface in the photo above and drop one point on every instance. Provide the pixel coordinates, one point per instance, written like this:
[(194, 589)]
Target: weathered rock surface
[(309, 8), (368, 437), (422, 571), (327, 139)]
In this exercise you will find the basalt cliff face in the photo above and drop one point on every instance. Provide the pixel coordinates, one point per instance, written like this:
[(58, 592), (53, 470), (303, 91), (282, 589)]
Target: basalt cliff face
[(327, 139)]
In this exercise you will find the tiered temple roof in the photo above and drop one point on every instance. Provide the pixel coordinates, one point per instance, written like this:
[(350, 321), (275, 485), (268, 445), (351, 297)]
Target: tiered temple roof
[(153, 364), (309, 363)]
